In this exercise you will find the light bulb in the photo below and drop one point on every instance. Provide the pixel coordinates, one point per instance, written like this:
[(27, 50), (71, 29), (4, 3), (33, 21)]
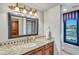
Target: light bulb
[(64, 10), (24, 11), (17, 9), (35, 14), (30, 12)]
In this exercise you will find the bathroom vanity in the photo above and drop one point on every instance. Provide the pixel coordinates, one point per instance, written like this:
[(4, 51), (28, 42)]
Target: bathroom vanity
[(47, 49), (23, 26), (39, 46)]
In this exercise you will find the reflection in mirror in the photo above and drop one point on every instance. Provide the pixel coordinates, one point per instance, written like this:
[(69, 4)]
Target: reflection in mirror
[(31, 26), (17, 26), (21, 26)]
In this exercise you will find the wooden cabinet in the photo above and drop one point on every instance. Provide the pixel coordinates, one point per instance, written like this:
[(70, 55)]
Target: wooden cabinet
[(39, 51), (28, 53), (47, 49)]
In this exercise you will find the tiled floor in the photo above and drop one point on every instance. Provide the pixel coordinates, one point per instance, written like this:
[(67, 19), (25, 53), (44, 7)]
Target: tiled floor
[(65, 52)]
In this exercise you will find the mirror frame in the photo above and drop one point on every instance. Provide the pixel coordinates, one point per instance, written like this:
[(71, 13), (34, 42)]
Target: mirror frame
[(9, 25)]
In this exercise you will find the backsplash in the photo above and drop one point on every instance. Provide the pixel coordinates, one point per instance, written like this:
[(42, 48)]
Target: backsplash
[(13, 42), (19, 41)]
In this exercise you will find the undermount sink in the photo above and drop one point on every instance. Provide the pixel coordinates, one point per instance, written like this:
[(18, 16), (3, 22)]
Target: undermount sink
[(19, 48), (29, 45), (24, 46)]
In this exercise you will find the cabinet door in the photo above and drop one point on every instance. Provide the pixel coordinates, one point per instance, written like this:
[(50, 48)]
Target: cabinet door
[(39, 51), (49, 51)]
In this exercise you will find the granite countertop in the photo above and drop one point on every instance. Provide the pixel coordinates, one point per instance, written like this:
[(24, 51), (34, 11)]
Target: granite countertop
[(23, 48)]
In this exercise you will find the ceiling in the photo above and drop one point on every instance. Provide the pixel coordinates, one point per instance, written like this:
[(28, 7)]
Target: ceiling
[(45, 6), (70, 5), (42, 6)]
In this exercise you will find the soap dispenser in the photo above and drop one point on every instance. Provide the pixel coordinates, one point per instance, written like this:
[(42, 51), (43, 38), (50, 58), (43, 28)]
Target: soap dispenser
[(48, 34)]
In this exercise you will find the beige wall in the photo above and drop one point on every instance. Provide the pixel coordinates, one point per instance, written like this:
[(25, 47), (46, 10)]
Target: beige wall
[(52, 20)]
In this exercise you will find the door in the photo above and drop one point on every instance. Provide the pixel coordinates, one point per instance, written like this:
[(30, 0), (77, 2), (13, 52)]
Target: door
[(15, 28)]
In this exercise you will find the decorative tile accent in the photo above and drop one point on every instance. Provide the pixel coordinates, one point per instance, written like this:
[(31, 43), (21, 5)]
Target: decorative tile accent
[(19, 41)]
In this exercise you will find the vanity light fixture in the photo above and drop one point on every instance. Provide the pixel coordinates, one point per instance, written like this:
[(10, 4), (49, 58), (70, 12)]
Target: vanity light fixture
[(17, 8), (30, 12), (24, 10), (35, 14), (64, 10)]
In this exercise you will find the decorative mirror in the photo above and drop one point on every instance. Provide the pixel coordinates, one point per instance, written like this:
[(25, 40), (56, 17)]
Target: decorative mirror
[(19, 26)]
